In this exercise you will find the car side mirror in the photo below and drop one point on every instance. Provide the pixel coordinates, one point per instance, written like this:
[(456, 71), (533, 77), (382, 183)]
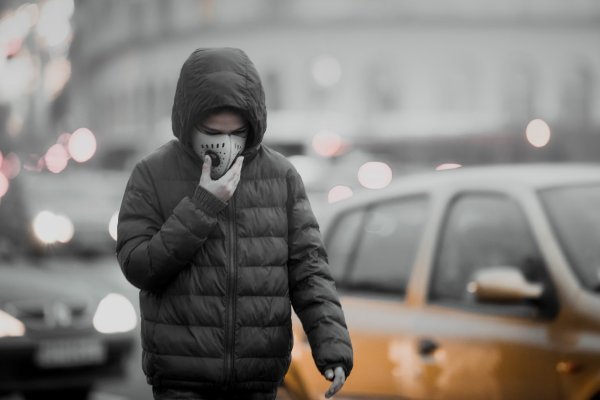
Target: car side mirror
[(503, 284)]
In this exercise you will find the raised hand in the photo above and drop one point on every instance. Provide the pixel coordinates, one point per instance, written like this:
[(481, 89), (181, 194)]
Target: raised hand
[(224, 187)]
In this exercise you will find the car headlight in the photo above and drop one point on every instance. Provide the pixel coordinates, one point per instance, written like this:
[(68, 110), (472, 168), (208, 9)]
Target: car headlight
[(50, 228), (115, 314), (10, 326)]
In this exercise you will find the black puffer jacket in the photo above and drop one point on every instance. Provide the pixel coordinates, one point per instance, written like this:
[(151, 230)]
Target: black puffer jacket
[(217, 279)]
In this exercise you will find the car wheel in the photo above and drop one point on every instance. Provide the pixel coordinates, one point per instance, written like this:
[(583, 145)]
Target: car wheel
[(82, 393)]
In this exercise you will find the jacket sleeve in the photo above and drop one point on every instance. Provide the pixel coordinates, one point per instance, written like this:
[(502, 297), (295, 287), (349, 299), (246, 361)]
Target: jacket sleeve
[(151, 249), (312, 288)]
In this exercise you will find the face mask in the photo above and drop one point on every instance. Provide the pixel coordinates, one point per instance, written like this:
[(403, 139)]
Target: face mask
[(221, 148)]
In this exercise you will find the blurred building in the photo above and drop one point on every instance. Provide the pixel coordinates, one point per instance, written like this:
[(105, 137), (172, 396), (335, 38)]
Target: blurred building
[(371, 69)]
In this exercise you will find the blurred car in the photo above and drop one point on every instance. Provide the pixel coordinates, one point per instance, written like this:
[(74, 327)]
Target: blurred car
[(474, 283), (76, 209), (58, 334), (66, 322)]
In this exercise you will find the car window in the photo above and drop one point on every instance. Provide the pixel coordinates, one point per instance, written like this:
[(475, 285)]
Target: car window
[(387, 245), (485, 230), (575, 217), (341, 239)]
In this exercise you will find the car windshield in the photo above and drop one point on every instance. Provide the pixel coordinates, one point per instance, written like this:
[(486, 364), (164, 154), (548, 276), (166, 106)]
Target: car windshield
[(71, 214), (574, 213)]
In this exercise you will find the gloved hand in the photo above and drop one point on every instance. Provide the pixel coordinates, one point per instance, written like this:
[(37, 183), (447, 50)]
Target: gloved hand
[(338, 380)]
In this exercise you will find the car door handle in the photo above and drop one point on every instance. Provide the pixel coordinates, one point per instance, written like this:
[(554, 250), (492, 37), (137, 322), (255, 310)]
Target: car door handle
[(427, 346)]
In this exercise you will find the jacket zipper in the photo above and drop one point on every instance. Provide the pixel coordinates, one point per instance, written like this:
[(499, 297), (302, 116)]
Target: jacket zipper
[(230, 340)]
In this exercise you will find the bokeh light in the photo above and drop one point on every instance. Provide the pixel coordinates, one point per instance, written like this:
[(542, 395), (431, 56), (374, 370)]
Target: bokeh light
[(447, 166), (112, 225), (56, 75), (11, 165), (374, 175), (15, 26), (4, 184), (326, 70), (64, 228), (54, 26), (32, 11), (82, 145), (43, 227), (538, 133), (56, 158), (51, 228), (339, 193), (327, 143), (17, 77)]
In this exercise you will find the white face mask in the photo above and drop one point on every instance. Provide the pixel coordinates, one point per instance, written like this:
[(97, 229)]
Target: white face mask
[(222, 149)]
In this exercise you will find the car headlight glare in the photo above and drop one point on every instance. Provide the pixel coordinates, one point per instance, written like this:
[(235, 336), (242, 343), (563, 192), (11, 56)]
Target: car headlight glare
[(10, 326), (50, 228), (115, 314)]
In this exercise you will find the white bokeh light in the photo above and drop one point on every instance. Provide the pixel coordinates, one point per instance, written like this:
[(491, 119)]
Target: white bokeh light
[(115, 314), (82, 145), (10, 326), (339, 193), (43, 227), (53, 25), (447, 166), (374, 175), (64, 229), (538, 133), (51, 228), (112, 225), (4, 184)]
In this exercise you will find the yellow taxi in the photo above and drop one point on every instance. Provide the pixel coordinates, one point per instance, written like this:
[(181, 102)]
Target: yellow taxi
[(474, 283)]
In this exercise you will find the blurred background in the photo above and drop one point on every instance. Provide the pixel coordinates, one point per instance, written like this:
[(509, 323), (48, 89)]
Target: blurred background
[(359, 93)]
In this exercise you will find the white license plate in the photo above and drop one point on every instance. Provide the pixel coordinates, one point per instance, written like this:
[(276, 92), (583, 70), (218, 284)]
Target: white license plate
[(70, 353)]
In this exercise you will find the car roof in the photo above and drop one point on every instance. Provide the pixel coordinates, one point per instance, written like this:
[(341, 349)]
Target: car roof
[(532, 176), (536, 176)]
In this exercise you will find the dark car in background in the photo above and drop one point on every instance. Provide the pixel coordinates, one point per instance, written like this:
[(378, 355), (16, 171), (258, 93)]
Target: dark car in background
[(67, 320), (473, 283)]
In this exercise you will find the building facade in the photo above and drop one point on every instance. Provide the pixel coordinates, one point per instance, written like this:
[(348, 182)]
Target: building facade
[(376, 70)]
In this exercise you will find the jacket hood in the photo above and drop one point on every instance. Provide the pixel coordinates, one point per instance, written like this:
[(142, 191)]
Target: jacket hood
[(213, 78)]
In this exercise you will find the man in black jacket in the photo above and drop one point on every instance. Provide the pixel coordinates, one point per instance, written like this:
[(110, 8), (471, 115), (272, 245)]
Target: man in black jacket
[(216, 231)]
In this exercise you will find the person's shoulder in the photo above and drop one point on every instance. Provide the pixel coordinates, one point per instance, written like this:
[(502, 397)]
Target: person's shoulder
[(277, 161), (161, 154), (156, 161)]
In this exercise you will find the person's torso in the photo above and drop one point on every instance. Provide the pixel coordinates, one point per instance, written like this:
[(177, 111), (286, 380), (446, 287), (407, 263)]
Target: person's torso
[(226, 317)]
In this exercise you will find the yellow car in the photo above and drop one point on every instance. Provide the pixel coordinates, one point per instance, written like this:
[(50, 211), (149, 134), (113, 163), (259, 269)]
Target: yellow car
[(475, 283)]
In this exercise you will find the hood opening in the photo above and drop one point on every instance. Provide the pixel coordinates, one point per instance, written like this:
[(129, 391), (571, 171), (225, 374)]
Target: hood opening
[(243, 113), (214, 79)]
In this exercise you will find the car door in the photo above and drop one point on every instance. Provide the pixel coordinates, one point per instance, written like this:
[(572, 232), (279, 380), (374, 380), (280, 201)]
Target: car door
[(371, 251), (372, 270), (469, 349)]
